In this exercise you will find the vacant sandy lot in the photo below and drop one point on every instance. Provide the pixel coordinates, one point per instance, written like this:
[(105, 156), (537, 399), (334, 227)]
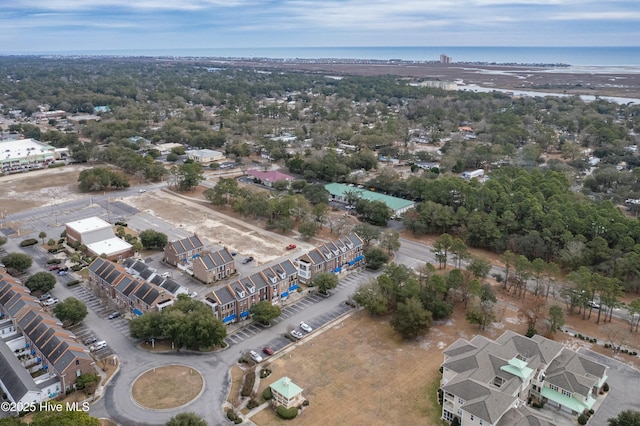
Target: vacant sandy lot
[(24, 191)]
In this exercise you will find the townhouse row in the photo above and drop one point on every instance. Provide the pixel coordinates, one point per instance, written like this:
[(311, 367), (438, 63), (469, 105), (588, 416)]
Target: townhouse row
[(128, 291), (189, 255), (39, 360), (232, 302)]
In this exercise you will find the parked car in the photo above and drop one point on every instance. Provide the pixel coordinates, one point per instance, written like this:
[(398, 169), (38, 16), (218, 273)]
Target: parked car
[(90, 340), (255, 356), (247, 260), (233, 253), (267, 350), (193, 294), (113, 315), (50, 301), (98, 345), (54, 267), (166, 274), (45, 296), (291, 246), (142, 190), (306, 327), (593, 304), (62, 272), (297, 334)]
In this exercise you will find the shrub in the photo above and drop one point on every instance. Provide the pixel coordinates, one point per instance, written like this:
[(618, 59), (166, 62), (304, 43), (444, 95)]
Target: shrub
[(76, 268), (264, 373), (52, 261), (305, 403), (252, 404), (28, 242), (55, 165), (605, 387), (249, 380), (237, 421), (73, 283), (591, 412), (286, 413), (231, 415), (582, 419), (266, 393)]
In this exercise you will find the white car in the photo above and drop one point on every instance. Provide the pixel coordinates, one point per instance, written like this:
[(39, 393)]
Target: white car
[(306, 327), (193, 295), (255, 356), (49, 302), (98, 345), (142, 191), (296, 334)]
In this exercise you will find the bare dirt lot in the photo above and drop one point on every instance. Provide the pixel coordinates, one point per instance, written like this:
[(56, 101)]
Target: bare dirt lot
[(24, 191)]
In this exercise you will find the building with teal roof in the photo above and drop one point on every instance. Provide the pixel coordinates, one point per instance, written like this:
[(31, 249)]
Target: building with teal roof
[(286, 393), (339, 192)]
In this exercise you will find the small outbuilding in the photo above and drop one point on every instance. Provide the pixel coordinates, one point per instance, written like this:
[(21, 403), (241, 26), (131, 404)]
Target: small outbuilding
[(286, 393)]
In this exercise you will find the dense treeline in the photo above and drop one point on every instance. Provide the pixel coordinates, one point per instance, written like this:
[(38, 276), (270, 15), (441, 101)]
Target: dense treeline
[(533, 213)]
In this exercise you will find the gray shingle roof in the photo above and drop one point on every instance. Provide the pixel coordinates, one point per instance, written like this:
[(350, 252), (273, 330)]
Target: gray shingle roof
[(186, 244), (13, 375), (224, 295)]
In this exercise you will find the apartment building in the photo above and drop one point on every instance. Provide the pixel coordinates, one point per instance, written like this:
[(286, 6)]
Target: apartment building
[(487, 382), (213, 266), (336, 256), (233, 301), (131, 293), (183, 251), (39, 360)]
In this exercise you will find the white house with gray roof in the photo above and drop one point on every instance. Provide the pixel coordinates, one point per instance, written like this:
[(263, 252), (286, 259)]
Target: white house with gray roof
[(484, 381)]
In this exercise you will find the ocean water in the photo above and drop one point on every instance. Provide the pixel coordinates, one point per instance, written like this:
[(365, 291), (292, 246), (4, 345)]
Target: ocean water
[(574, 56)]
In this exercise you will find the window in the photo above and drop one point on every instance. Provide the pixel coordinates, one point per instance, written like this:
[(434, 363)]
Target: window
[(480, 422), (553, 387), (460, 400), (447, 415), (460, 411), (471, 418), (77, 362), (566, 393)]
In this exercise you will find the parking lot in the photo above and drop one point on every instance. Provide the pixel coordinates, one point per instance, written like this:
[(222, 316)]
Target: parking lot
[(94, 303), (82, 333), (316, 322)]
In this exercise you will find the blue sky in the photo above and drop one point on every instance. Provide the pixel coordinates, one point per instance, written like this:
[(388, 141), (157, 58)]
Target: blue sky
[(34, 26)]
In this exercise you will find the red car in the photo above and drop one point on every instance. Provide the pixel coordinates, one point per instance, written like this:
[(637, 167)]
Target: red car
[(267, 351), (54, 267), (291, 246)]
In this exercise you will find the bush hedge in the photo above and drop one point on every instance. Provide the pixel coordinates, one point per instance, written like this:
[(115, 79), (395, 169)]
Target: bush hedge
[(249, 380), (252, 404), (28, 242), (231, 415), (286, 413), (266, 393), (52, 261), (73, 283)]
